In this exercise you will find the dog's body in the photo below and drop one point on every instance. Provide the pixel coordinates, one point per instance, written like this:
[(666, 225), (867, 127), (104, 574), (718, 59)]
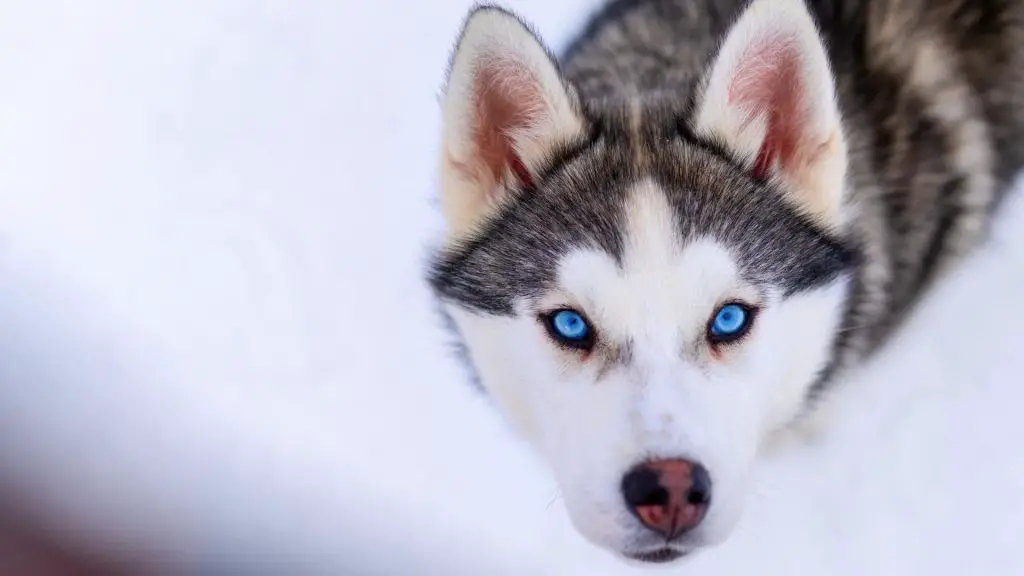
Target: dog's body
[(806, 169)]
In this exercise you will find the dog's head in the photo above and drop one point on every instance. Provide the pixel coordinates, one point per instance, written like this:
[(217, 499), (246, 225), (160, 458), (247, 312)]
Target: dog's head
[(647, 290)]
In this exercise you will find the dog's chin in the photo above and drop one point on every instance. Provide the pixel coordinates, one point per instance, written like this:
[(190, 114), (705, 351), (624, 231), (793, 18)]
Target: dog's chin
[(666, 555)]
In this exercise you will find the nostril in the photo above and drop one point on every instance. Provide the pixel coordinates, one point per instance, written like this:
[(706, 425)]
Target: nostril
[(700, 486), (642, 487), (697, 497)]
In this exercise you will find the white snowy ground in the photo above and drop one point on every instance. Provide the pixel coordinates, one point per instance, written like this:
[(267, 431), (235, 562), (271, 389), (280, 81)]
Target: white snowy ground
[(212, 216)]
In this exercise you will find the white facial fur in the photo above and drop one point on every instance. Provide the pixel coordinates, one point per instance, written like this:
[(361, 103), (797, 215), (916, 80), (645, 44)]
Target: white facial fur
[(673, 398)]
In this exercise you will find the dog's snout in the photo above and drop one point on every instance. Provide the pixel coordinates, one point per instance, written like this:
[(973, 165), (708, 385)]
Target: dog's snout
[(669, 497)]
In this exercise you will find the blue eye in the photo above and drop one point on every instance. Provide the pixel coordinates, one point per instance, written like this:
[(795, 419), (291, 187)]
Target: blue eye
[(569, 327), (730, 323)]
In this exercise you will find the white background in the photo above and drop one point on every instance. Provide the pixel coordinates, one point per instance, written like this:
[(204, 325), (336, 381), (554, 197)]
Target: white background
[(214, 337)]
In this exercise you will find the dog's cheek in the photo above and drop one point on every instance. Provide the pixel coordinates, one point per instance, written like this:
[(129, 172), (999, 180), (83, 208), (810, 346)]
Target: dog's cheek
[(794, 346), (499, 349)]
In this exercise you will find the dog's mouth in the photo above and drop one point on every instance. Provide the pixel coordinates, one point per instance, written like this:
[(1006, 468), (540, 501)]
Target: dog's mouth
[(659, 556)]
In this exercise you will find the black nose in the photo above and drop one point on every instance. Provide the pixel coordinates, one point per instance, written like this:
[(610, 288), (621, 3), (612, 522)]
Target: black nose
[(669, 497)]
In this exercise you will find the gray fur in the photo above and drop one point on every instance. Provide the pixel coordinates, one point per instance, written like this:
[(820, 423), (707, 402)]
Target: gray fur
[(932, 98)]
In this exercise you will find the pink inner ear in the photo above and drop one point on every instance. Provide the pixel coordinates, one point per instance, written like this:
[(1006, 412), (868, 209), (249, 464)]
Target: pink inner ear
[(508, 100), (767, 81)]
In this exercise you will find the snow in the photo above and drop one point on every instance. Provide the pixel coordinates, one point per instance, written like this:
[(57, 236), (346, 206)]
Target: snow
[(215, 340)]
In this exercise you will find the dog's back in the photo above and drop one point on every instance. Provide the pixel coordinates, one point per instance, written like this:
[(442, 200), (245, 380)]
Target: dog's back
[(932, 97)]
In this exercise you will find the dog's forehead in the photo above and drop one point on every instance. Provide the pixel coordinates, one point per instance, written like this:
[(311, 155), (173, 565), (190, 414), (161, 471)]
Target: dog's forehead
[(614, 195), (662, 279)]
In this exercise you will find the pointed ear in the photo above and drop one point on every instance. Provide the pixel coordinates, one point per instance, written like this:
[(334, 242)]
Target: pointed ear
[(506, 109), (770, 96)]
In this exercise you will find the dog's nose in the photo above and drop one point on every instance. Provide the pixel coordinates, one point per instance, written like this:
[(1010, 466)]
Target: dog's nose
[(669, 497)]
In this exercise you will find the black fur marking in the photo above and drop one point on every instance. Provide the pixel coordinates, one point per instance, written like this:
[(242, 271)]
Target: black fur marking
[(949, 196)]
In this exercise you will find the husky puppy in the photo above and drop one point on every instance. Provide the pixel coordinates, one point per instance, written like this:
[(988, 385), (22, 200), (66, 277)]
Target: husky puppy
[(664, 247)]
